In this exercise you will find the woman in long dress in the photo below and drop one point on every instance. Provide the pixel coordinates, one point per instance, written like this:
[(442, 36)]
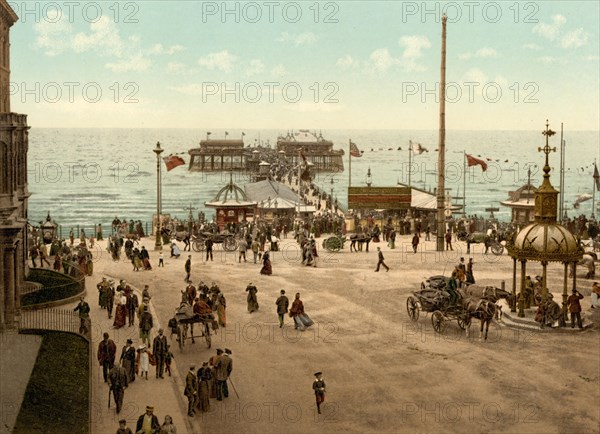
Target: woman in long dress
[(204, 377), (137, 260), (266, 268), (301, 320), (121, 311), (252, 299)]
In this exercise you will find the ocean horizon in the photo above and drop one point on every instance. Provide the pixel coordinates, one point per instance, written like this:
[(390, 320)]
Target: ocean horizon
[(86, 176)]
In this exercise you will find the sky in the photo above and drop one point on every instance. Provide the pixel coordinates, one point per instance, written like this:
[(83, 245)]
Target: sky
[(317, 65)]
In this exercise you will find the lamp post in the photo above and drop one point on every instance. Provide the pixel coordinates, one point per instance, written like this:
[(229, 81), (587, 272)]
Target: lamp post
[(48, 230), (369, 178), (331, 197), (158, 150)]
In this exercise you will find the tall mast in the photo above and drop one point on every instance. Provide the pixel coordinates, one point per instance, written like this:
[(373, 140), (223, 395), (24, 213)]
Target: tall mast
[(442, 147)]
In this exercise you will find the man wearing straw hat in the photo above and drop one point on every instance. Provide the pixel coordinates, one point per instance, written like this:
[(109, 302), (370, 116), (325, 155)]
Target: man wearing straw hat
[(148, 423)]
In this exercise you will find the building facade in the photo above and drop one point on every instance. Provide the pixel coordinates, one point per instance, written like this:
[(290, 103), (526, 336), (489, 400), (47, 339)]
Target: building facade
[(14, 193)]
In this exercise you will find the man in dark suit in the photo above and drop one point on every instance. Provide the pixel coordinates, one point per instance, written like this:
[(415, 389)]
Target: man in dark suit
[(222, 370), (159, 349), (380, 261), (282, 303), (106, 355), (118, 383), (191, 390), (148, 423)]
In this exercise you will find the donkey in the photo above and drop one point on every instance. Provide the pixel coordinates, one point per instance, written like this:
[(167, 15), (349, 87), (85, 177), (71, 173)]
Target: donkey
[(490, 293)]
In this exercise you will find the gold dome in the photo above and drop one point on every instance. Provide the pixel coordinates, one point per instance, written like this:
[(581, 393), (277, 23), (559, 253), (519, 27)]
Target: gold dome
[(545, 242)]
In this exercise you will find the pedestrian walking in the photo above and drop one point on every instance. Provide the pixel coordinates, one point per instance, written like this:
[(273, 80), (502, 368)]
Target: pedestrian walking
[(146, 325), (168, 427), (415, 242), (127, 360), (428, 233), (301, 319), (204, 379), (380, 260), (470, 277), (148, 423), (449, 240), (319, 389), (242, 246), (143, 361), (191, 390), (106, 355), (252, 299), (282, 303), (209, 248), (255, 249), (132, 304), (222, 371), (159, 349), (595, 295), (221, 305), (123, 429), (117, 382), (188, 268), (266, 268), (84, 315), (161, 260), (575, 308), (168, 359)]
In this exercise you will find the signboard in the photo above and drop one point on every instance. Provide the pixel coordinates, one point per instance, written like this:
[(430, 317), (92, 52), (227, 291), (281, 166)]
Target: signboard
[(379, 197)]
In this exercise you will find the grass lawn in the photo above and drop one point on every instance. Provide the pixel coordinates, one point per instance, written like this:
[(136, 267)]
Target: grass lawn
[(57, 286), (57, 396)]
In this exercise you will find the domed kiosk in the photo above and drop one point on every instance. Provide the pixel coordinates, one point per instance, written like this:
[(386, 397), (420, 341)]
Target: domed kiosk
[(544, 240), (231, 205)]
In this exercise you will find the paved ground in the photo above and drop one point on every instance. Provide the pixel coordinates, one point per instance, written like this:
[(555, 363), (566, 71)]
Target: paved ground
[(383, 372)]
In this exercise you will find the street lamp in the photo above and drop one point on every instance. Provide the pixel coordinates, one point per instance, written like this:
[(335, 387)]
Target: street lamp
[(48, 230), (369, 178), (158, 150), (331, 197)]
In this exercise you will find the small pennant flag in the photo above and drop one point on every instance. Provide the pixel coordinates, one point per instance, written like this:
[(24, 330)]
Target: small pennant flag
[(597, 177), (172, 161), (417, 148), (354, 151), (472, 161)]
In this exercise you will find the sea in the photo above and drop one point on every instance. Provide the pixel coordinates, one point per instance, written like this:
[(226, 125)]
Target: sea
[(83, 177)]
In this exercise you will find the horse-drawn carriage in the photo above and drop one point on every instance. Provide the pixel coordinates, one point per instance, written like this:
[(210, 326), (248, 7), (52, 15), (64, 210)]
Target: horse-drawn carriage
[(229, 241), (184, 319), (491, 241), (334, 244), (473, 301)]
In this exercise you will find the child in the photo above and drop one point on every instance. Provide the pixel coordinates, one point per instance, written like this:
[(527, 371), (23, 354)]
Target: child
[(161, 260), (168, 359), (144, 360), (123, 427)]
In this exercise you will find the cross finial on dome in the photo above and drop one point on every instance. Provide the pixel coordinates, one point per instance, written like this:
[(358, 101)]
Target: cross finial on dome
[(547, 149)]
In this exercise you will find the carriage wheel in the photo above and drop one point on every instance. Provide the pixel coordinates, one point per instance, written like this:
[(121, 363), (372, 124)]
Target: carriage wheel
[(497, 249), (180, 337), (230, 244), (437, 320), (207, 335), (464, 321), (412, 307)]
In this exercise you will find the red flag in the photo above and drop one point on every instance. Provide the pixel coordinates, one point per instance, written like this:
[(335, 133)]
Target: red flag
[(597, 177), (354, 151), (472, 161), (172, 161)]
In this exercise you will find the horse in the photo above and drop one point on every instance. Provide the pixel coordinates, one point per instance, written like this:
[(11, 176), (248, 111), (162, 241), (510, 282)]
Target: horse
[(360, 239), (588, 260), (185, 309), (490, 293), (482, 309)]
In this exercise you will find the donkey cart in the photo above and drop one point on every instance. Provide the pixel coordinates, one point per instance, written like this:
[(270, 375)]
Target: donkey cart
[(182, 321)]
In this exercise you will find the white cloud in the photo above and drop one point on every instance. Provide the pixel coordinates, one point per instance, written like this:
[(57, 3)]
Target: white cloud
[(188, 89), (574, 39), (550, 31), (175, 67), (549, 60), (346, 62), (279, 70), (53, 34), (222, 61), (535, 47), (135, 63), (103, 38), (413, 47), (160, 49), (482, 53), (298, 39), (475, 75), (381, 60), (256, 67)]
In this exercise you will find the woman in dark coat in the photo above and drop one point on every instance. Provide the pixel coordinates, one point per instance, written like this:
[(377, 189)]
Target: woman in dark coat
[(266, 268)]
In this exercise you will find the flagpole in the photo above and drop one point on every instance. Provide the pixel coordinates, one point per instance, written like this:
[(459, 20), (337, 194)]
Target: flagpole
[(349, 162), (465, 183), (158, 244), (594, 192), (562, 174), (440, 236), (409, 160)]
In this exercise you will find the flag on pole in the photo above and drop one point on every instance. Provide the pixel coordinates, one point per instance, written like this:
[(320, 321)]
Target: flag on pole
[(472, 161), (417, 148), (354, 151), (172, 161), (596, 177)]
